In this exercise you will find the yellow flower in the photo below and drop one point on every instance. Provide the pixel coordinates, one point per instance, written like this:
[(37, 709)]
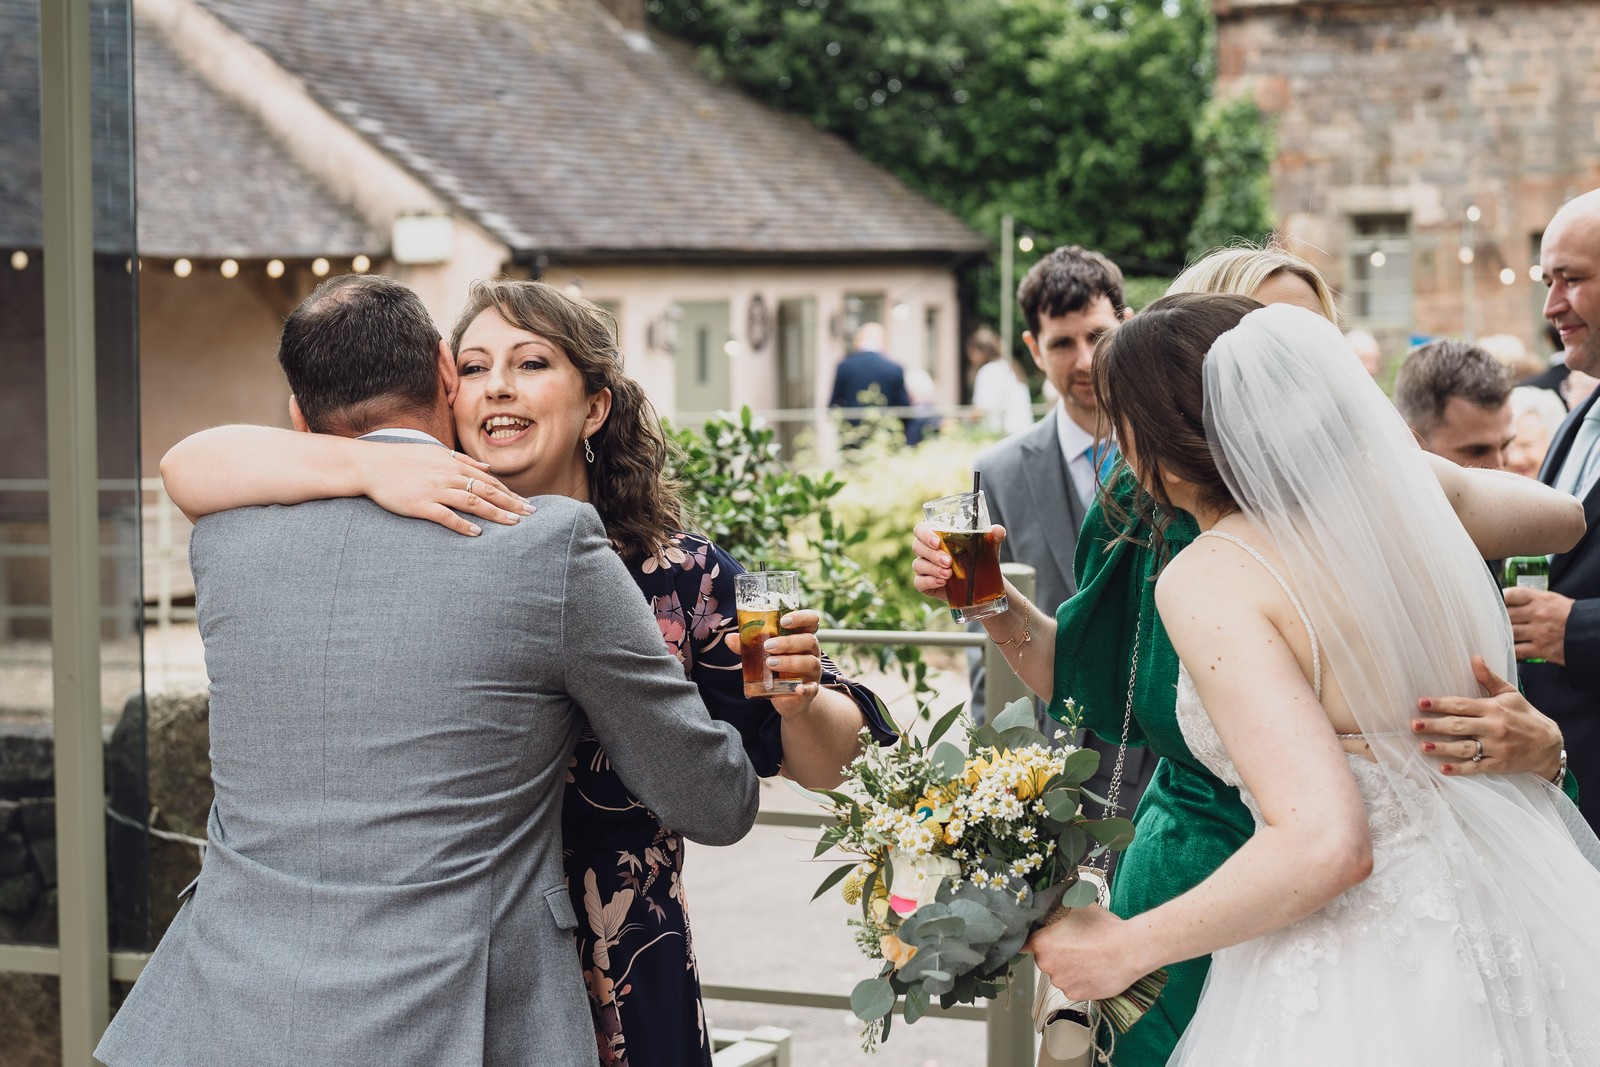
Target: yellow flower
[(896, 951), (851, 888), (978, 766)]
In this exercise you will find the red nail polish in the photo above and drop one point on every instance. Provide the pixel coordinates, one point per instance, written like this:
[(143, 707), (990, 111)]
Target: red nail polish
[(1428, 746), (1417, 725), (1447, 769), (1424, 704)]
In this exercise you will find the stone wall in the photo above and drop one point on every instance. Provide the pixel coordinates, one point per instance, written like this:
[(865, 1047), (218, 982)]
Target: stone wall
[(1422, 108), (173, 769)]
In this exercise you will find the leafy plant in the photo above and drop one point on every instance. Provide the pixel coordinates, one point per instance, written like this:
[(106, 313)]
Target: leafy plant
[(962, 854), (741, 493)]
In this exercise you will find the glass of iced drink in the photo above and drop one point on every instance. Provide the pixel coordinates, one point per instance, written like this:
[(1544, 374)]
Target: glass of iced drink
[(762, 598), (975, 589)]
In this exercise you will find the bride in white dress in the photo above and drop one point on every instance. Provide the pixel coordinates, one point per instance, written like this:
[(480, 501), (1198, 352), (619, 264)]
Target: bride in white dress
[(1389, 909)]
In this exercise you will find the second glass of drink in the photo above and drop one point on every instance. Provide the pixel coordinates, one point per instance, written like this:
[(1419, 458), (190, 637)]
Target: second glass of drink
[(762, 598), (975, 589)]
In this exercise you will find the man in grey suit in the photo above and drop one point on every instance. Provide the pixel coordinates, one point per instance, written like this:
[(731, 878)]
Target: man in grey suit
[(1039, 483), (393, 707)]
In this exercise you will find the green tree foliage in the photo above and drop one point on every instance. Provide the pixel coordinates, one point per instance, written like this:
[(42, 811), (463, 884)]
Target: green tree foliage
[(1236, 143), (1075, 116)]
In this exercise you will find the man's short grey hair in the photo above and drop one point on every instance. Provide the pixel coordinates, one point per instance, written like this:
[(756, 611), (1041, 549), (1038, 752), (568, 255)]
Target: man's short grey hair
[(1439, 370)]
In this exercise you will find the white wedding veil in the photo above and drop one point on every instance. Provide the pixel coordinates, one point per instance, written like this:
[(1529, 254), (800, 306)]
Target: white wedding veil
[(1327, 474)]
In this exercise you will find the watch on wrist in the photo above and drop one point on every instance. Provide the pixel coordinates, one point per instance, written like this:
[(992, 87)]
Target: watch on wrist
[(1561, 771)]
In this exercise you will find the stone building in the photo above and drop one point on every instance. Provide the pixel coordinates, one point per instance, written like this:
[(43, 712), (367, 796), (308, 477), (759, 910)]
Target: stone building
[(1422, 147)]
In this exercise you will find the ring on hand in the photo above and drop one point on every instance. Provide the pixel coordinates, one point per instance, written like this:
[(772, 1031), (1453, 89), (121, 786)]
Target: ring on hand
[(1477, 757), (470, 483)]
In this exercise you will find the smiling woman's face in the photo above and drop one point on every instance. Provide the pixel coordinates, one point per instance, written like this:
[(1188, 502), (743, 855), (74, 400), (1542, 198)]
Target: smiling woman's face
[(522, 408)]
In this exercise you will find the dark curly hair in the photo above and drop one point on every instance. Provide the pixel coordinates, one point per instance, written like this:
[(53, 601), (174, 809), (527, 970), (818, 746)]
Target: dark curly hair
[(628, 485), (1149, 384)]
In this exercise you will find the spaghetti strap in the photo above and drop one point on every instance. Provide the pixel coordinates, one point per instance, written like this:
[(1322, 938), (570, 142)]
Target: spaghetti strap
[(1316, 656)]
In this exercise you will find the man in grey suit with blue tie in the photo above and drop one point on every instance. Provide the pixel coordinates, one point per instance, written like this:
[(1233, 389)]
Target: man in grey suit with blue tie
[(1039, 483), (1561, 625), (392, 711)]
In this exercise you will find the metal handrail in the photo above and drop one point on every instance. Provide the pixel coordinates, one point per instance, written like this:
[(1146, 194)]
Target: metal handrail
[(1010, 1035)]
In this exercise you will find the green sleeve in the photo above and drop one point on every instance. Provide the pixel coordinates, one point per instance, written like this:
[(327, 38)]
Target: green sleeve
[(1095, 629), (1569, 786)]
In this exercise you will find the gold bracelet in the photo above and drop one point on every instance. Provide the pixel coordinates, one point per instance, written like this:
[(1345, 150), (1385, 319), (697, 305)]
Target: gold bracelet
[(1020, 640)]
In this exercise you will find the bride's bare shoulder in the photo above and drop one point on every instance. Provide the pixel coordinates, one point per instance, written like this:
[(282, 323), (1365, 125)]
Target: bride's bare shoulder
[(1211, 580)]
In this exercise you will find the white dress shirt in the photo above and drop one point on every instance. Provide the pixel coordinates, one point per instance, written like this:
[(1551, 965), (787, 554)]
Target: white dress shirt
[(404, 431), (1076, 444)]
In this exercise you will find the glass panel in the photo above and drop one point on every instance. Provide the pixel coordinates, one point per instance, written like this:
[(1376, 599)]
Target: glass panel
[(28, 848), (860, 308), (122, 692), (27, 771)]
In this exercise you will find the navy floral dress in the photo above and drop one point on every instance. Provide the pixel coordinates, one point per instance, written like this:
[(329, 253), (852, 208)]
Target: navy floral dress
[(623, 868)]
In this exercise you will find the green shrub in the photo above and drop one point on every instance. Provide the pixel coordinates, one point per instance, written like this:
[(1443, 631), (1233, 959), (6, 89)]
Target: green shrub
[(850, 538)]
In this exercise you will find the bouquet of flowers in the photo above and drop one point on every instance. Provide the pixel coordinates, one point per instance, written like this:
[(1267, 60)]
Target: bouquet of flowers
[(963, 855)]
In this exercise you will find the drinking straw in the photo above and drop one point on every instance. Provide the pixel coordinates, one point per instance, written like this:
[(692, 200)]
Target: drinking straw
[(972, 570)]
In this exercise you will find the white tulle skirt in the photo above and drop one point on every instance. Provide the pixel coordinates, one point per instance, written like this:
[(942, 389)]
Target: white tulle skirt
[(1395, 971)]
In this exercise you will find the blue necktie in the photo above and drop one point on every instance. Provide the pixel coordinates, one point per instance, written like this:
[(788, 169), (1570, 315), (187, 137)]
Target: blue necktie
[(1103, 458)]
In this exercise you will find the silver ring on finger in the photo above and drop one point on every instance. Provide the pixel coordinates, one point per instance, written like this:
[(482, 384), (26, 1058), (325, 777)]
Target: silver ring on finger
[(470, 483), (1477, 757)]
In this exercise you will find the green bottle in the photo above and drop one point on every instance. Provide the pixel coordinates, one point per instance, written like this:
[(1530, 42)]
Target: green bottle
[(1530, 572)]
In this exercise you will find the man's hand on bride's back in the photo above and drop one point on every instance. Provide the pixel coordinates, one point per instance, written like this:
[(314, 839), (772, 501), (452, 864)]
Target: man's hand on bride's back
[(423, 482)]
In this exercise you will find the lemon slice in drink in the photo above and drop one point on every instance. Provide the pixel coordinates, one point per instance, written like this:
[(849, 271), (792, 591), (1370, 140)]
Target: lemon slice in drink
[(751, 632)]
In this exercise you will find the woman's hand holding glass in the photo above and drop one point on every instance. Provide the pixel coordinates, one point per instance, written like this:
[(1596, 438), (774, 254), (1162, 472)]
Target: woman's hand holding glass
[(794, 654), (435, 484), (931, 569)]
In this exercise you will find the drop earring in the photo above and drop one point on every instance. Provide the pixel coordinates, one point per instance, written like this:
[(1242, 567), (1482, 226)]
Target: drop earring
[(588, 450)]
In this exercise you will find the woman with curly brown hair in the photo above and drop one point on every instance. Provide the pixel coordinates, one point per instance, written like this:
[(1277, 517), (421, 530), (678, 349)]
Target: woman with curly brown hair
[(542, 402)]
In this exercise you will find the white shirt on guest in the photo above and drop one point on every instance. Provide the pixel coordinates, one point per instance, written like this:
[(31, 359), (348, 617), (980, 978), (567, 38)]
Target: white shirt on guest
[(1075, 445), (1002, 397), (403, 431)]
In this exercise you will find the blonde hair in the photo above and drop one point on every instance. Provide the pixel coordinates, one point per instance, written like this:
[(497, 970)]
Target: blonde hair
[(1243, 269)]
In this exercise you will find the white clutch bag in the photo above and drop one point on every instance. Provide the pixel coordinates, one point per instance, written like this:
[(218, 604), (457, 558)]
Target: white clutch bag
[(1065, 1027)]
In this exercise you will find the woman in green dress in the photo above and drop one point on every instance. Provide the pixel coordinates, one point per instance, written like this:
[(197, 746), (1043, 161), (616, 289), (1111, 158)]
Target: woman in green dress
[(1106, 650)]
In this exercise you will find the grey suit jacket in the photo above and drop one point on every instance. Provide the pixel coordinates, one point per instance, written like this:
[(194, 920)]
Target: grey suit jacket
[(392, 711)]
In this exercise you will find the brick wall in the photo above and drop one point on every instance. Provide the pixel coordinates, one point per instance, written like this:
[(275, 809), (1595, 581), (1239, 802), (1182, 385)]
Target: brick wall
[(1422, 108)]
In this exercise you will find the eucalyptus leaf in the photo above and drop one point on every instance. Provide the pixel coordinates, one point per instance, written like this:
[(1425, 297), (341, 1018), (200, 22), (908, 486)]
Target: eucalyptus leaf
[(1072, 844), (986, 736), (830, 837), (1115, 834), (948, 720), (1080, 894), (982, 925), (1061, 804), (1018, 713), (948, 762), (867, 888), (833, 879), (917, 1002), (1079, 766), (872, 998), (1020, 737)]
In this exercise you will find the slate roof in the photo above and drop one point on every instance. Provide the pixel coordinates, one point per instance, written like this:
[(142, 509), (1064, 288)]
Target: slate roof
[(212, 182), (562, 134)]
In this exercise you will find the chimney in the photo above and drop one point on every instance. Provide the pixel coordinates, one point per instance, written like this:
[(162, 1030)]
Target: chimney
[(630, 13)]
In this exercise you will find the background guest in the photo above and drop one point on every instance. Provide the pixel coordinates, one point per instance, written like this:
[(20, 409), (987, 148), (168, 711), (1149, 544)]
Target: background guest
[(1457, 400), (1366, 349), (998, 390), (1536, 415)]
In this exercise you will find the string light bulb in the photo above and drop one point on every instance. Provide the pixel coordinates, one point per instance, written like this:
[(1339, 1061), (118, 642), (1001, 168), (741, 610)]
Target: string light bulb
[(1508, 276), (274, 268), (229, 268), (182, 268), (361, 264), (19, 260), (1536, 273), (319, 267), (1025, 243), (1466, 255), (1474, 213), (1379, 259)]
